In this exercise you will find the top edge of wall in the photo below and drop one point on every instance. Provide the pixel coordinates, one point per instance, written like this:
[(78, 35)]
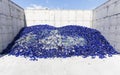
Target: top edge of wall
[(16, 4), (102, 4), (62, 9)]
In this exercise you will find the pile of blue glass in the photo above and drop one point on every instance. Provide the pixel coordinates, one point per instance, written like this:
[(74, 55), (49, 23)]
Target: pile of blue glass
[(44, 41)]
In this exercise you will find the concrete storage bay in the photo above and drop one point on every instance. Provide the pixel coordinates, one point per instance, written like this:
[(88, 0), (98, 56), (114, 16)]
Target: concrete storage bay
[(105, 18)]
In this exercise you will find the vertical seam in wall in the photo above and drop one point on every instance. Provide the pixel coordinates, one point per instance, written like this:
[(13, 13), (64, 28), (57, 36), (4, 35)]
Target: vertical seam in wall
[(92, 18)]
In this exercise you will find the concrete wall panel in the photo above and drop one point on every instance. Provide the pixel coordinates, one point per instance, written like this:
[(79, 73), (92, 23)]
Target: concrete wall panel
[(59, 17)]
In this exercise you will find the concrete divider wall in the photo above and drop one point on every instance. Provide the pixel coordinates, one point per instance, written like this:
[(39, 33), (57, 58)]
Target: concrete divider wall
[(106, 18), (11, 21), (58, 17)]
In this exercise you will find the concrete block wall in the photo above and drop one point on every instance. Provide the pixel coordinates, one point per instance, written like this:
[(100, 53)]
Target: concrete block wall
[(12, 19), (106, 18), (58, 17)]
